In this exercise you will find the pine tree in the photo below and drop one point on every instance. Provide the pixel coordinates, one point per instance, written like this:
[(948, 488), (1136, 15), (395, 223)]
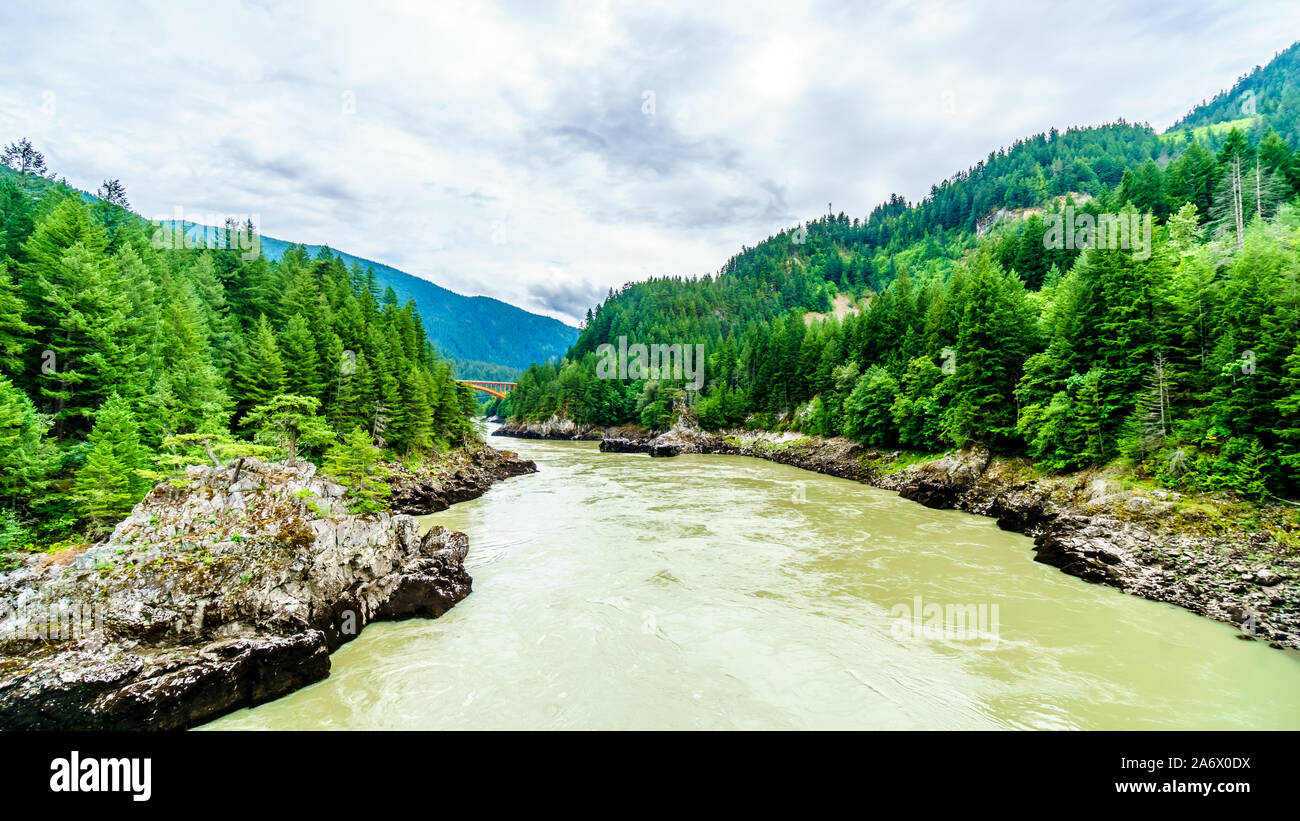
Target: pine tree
[(14, 332), (1089, 439), (26, 458), (1250, 466), (288, 421), (113, 193), (357, 395), (111, 481), (85, 351), (264, 377), (418, 400), (355, 462), (68, 224), (302, 367), (337, 367), (1148, 427), (1288, 424), (998, 331), (302, 296), (16, 218), (1031, 257), (23, 157)]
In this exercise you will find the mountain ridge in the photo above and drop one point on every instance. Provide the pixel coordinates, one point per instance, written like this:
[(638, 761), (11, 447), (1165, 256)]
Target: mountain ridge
[(447, 316), (1061, 352), (482, 335)]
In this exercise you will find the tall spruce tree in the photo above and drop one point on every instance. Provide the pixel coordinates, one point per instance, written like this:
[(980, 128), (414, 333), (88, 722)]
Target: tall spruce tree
[(111, 480)]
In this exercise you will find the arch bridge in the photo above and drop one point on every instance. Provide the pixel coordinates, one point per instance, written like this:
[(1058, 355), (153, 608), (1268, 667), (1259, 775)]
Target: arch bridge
[(497, 389)]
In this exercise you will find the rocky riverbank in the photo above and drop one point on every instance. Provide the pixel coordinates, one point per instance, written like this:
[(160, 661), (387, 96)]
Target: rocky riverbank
[(1208, 554), (223, 591), (554, 428), (458, 476)]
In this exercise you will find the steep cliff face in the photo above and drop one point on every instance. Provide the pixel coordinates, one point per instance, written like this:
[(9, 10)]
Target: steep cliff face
[(226, 591)]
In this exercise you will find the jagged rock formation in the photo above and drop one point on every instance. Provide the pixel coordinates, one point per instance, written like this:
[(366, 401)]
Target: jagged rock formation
[(224, 592)]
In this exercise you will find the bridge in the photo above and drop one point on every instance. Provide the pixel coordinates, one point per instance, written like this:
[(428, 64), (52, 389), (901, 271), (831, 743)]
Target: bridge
[(497, 389)]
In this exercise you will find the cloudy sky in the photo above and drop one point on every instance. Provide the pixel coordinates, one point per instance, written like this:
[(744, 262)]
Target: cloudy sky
[(543, 153)]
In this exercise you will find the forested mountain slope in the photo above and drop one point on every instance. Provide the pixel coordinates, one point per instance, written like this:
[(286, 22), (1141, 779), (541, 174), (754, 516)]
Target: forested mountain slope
[(1266, 98), (122, 359), (476, 331), (804, 267), (485, 337), (1174, 347)]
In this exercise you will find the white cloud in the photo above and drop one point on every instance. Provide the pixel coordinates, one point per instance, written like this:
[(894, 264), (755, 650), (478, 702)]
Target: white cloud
[(412, 134)]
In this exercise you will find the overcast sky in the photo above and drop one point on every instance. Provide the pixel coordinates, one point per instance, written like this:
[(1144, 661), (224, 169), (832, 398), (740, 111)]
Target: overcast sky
[(543, 153)]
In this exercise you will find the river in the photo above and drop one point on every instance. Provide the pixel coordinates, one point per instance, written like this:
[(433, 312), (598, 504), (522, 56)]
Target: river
[(616, 591)]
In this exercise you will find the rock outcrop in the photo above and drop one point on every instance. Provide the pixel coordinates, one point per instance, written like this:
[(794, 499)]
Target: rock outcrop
[(458, 477), (624, 444), (556, 427), (1158, 544), (221, 592), (681, 438)]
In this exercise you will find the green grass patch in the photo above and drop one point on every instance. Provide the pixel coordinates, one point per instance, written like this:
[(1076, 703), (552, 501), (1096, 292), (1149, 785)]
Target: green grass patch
[(1203, 132)]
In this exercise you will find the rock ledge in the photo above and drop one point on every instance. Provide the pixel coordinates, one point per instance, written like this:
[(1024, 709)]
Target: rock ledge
[(222, 593)]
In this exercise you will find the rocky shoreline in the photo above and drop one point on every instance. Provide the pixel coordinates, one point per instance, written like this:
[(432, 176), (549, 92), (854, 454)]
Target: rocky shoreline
[(224, 591), (458, 476), (553, 428), (1207, 554)]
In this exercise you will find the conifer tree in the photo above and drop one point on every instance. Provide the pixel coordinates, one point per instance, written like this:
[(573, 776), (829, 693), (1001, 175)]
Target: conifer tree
[(264, 376), (111, 480), (302, 367), (1288, 424), (26, 457), (998, 330), (23, 157), (288, 421), (355, 462), (867, 412), (85, 343), (14, 332)]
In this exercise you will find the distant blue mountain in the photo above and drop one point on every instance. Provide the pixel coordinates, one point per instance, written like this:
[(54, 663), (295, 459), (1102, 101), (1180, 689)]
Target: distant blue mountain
[(470, 329)]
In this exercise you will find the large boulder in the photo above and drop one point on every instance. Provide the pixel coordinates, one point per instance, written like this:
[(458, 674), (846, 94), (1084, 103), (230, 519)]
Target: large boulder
[(682, 437), (625, 444)]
